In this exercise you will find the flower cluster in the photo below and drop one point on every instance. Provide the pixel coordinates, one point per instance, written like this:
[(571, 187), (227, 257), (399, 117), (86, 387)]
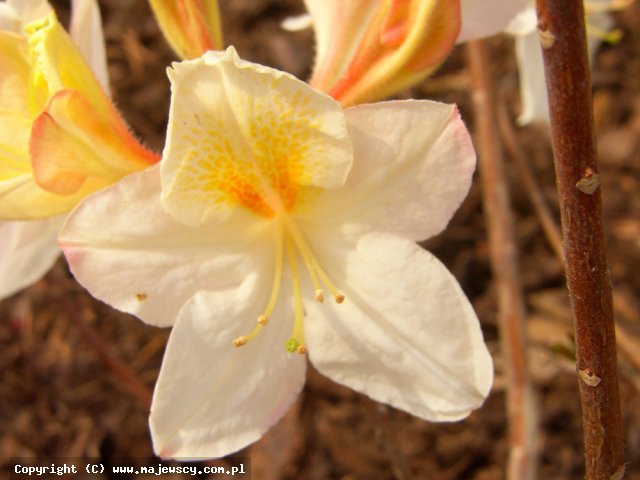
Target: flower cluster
[(280, 224)]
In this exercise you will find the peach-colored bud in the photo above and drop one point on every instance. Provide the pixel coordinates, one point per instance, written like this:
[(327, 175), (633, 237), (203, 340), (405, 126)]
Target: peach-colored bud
[(403, 42), (190, 26)]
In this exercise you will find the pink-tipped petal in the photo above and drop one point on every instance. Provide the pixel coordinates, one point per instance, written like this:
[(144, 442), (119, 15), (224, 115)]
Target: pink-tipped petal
[(413, 165)]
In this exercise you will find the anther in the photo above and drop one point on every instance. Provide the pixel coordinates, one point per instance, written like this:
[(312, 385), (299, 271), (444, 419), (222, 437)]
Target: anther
[(262, 320), (319, 295), (339, 298), (301, 350), (240, 341)]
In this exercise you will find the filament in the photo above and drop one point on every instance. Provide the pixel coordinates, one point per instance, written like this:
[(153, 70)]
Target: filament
[(312, 264), (275, 289)]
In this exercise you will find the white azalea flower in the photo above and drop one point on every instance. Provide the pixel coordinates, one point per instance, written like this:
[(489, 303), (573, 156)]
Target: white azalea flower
[(279, 224), (483, 18), (16, 14), (518, 18)]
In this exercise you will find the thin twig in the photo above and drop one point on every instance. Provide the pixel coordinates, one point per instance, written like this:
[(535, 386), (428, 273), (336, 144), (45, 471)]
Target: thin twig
[(549, 225), (563, 37), (129, 380), (390, 439), (523, 456)]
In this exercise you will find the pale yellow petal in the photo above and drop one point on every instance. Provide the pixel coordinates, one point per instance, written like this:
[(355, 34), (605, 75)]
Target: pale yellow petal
[(245, 135), (58, 65)]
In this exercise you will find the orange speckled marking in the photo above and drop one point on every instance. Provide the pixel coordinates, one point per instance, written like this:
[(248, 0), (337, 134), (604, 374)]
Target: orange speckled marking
[(261, 163)]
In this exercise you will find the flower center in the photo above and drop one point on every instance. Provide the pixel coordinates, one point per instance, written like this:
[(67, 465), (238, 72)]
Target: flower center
[(290, 239)]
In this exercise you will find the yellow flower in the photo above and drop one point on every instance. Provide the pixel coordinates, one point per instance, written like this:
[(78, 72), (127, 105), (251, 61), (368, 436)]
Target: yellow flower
[(61, 137)]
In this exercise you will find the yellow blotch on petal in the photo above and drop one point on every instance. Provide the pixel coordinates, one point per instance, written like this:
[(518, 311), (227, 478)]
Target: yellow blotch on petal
[(265, 173), (261, 151)]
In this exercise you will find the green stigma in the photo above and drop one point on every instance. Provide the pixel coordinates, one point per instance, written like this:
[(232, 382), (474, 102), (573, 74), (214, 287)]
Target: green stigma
[(291, 345)]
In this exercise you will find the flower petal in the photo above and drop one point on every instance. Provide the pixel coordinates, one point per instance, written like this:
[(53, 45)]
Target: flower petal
[(27, 251), (123, 247), (212, 399), (405, 335), (339, 27), (22, 199), (9, 19), (241, 134), (482, 18), (297, 23), (533, 89), (30, 10), (190, 26), (405, 41), (524, 22), (86, 31), (69, 146), (413, 163), (59, 65), (14, 75)]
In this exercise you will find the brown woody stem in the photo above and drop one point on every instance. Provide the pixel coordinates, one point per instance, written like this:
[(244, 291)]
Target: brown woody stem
[(128, 379), (562, 34)]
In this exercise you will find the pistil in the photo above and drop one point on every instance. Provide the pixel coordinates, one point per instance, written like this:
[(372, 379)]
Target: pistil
[(296, 342)]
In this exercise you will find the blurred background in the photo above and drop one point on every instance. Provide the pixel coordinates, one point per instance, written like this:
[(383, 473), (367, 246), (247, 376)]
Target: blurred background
[(76, 376)]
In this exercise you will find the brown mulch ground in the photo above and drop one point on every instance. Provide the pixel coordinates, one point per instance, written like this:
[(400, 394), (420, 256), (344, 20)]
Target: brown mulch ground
[(60, 398)]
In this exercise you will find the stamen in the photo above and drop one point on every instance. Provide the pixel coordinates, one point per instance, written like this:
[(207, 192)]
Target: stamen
[(339, 297), (311, 263), (301, 350), (611, 37), (263, 319), (240, 341), (612, 5)]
